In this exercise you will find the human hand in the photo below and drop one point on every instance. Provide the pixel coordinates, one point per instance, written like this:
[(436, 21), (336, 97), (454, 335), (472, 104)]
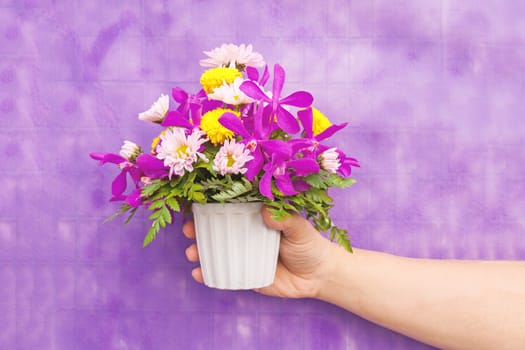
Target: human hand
[(303, 257)]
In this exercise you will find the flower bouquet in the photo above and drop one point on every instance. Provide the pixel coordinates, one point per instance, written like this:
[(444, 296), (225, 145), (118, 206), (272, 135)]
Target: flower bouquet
[(234, 142)]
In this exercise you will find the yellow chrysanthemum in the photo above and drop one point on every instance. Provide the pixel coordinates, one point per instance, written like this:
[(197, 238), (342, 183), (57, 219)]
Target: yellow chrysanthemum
[(213, 129), (215, 77), (156, 141), (320, 122)]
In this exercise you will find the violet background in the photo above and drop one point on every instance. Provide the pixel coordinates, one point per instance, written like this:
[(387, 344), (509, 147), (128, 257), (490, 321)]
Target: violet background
[(434, 94)]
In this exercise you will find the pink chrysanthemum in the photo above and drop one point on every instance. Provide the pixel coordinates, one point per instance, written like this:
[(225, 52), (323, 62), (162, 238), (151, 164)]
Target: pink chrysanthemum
[(330, 160), (179, 151), (231, 158), (230, 55)]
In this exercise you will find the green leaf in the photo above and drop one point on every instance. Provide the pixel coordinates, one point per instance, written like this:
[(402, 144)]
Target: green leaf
[(341, 236), (332, 233), (153, 187), (133, 211), (338, 181), (199, 197), (165, 214), (318, 195), (156, 205), (155, 215), (315, 180), (123, 208), (152, 234), (237, 189), (173, 204)]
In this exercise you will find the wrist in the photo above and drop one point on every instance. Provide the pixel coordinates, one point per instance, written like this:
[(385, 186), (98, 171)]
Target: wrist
[(337, 278)]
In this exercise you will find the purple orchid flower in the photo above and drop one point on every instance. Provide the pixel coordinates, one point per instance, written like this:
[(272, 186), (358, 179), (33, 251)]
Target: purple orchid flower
[(285, 119), (146, 166), (310, 142), (119, 184), (152, 167), (253, 74), (345, 169), (191, 108), (282, 167), (251, 137), (313, 147), (306, 118)]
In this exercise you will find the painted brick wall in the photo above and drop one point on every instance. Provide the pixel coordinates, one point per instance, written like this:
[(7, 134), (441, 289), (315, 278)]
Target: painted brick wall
[(434, 94)]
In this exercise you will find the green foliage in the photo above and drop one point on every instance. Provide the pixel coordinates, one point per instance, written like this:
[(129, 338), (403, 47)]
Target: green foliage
[(315, 204), (166, 196), (237, 189), (123, 209)]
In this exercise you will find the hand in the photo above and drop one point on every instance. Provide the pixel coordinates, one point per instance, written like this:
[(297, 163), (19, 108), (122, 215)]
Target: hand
[(303, 257)]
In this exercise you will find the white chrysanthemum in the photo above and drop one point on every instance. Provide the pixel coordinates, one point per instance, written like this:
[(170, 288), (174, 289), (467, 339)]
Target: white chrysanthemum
[(231, 93), (231, 158), (130, 150), (157, 111), (230, 55), (179, 151), (330, 160)]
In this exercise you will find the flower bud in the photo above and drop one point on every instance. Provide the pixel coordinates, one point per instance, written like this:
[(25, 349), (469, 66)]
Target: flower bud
[(130, 151)]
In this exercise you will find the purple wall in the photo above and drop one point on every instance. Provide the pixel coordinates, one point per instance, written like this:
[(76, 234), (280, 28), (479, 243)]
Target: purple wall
[(434, 92)]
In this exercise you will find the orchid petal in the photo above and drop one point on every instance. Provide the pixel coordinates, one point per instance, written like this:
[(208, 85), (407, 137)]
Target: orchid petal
[(344, 169), (258, 125), (234, 123), (304, 166), (263, 122), (284, 184), (265, 76), (265, 185), (330, 131), (134, 198), (200, 94), (179, 95), (278, 81), (353, 162), (175, 118), (301, 185), (277, 147), (152, 167), (118, 186), (209, 105), (135, 173), (287, 121), (254, 166), (254, 91), (306, 118), (300, 145), (196, 113), (253, 73), (118, 198), (104, 158), (298, 99)]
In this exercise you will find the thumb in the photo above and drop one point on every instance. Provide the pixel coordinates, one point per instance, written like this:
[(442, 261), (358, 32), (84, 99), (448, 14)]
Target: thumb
[(293, 227)]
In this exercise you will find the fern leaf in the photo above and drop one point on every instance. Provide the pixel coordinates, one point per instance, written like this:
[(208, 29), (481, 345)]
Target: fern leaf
[(173, 204), (131, 215), (152, 234), (237, 189), (123, 208)]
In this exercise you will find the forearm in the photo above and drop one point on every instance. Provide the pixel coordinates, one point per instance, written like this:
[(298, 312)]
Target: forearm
[(446, 303)]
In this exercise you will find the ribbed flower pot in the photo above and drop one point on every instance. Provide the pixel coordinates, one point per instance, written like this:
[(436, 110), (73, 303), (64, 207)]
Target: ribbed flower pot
[(236, 249)]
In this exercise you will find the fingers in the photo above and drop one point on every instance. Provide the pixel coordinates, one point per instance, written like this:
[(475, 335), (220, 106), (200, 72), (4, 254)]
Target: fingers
[(196, 273), (294, 227), (192, 254), (188, 229)]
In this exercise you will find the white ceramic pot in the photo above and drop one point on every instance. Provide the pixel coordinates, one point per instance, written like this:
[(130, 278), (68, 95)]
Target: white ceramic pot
[(236, 249)]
